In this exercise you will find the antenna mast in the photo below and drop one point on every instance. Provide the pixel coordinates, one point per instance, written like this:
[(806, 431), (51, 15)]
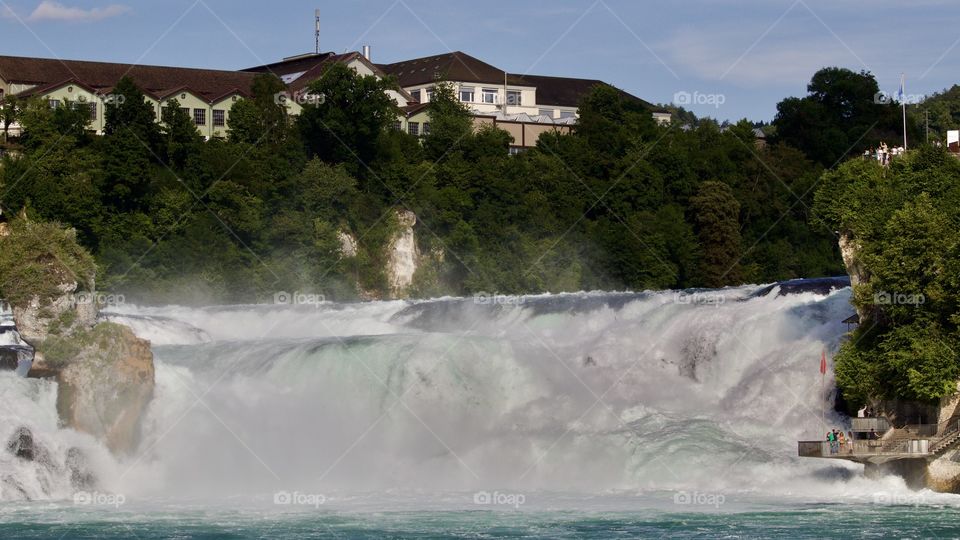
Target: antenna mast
[(316, 33)]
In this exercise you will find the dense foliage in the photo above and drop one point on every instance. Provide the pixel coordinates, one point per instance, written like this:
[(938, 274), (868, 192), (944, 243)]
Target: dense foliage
[(844, 113), (36, 258), (905, 222), (619, 203)]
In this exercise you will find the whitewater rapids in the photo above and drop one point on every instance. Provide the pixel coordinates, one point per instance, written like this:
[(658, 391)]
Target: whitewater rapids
[(587, 393)]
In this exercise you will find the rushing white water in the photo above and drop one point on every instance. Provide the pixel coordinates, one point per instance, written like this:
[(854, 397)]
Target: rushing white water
[(591, 393)]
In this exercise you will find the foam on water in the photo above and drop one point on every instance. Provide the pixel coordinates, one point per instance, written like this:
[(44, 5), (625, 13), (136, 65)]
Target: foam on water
[(590, 393)]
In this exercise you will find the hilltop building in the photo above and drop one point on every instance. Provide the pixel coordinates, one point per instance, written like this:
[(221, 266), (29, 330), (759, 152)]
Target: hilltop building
[(524, 105)]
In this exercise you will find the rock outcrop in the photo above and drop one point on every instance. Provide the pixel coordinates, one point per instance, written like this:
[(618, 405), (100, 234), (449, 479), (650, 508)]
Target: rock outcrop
[(105, 373), (850, 251), (106, 387), (348, 244), (402, 255), (943, 473), (60, 316)]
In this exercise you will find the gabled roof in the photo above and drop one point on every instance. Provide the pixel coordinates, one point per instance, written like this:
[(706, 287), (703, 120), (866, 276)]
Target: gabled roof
[(153, 80), (411, 110), (453, 66), (567, 91), (299, 71), (44, 88)]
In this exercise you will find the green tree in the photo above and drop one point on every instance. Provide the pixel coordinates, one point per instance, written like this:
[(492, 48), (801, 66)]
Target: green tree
[(450, 123), (264, 118), (716, 214), (345, 121), (130, 146), (181, 138), (843, 114)]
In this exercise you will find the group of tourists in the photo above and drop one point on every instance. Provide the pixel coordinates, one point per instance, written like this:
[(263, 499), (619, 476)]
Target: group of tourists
[(838, 441), (883, 153)]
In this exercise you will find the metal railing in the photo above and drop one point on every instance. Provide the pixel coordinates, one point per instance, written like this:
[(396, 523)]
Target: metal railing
[(860, 448), (866, 425)]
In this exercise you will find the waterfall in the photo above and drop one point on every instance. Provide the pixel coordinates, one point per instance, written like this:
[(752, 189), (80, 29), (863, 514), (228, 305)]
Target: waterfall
[(581, 392)]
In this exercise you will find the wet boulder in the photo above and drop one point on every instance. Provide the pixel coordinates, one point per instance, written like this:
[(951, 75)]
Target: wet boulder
[(22, 445)]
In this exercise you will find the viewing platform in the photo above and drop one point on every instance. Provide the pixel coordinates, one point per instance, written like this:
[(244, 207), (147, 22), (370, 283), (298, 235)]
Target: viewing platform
[(876, 442)]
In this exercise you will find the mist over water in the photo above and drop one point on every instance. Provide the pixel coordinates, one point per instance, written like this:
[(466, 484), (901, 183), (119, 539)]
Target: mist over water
[(593, 393)]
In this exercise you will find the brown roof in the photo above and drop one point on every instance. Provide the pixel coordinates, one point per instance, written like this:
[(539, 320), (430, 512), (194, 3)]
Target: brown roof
[(454, 66), (209, 84), (299, 71), (413, 109), (566, 91)]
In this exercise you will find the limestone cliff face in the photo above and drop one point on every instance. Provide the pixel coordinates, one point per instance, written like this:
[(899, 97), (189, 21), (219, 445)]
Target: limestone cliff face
[(850, 251), (402, 255)]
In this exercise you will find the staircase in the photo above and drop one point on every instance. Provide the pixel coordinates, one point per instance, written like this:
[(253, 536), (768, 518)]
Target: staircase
[(947, 441)]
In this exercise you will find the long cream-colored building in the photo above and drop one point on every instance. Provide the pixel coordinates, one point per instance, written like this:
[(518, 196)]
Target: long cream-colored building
[(526, 106)]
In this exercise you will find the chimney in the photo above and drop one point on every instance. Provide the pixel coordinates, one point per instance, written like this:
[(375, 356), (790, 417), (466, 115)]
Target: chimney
[(316, 33), (366, 52)]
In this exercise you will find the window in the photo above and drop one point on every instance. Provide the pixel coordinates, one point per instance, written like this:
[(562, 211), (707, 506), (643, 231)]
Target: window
[(416, 95), (414, 128), (398, 125), (467, 93), (54, 103), (489, 95), (514, 97), (186, 110), (200, 117), (93, 110), (546, 112), (426, 128), (219, 118), (429, 92), (568, 114)]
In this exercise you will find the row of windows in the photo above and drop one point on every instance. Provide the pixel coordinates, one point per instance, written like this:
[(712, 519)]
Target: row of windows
[(563, 114), (468, 94), (199, 115), (414, 128), (92, 106)]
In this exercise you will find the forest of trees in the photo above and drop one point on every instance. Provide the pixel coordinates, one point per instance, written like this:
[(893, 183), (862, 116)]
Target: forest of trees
[(620, 203), (905, 220)]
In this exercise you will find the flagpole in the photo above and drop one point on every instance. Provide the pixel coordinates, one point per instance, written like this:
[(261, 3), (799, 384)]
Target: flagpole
[(903, 104)]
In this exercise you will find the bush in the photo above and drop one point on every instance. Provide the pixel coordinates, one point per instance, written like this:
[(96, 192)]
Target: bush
[(37, 257)]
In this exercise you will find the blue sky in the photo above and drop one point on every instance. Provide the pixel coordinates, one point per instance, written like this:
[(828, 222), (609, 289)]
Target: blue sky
[(738, 58)]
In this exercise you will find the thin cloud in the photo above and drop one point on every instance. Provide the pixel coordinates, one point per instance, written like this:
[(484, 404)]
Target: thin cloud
[(55, 11)]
